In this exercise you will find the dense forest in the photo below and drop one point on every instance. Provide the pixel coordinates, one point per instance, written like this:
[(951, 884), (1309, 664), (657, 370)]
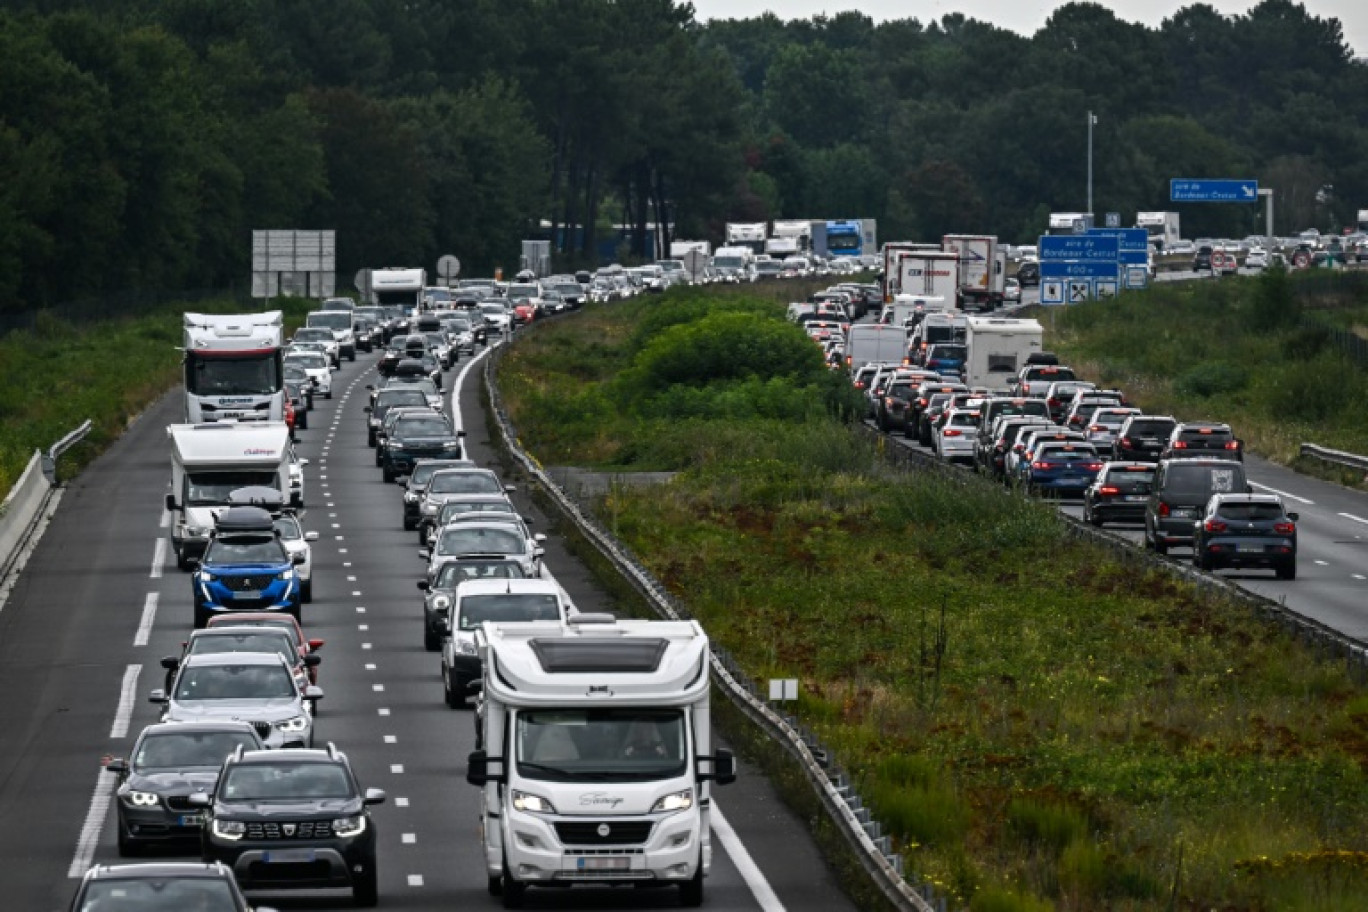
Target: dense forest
[(142, 140)]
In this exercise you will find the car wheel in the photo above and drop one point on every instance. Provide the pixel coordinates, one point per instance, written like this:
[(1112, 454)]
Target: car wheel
[(351, 356), (454, 699), (1160, 546), (366, 887), (182, 563), (302, 420), (514, 891), (201, 618), (379, 457), (328, 394), (691, 891), (1287, 571), (431, 641), (495, 886), (295, 611), (297, 501), (1092, 517), (387, 473), (306, 591)]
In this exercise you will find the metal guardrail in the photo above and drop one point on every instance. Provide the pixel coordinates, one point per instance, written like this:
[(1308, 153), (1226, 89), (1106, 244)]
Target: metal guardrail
[(57, 449), (1338, 457), (28, 500), (843, 805)]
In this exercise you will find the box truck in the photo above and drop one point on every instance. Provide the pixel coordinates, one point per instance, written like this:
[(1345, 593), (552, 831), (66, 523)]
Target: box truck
[(746, 234), (596, 757), (211, 461), (233, 366), (398, 286), (1162, 228), (982, 274), (997, 349), (892, 254)]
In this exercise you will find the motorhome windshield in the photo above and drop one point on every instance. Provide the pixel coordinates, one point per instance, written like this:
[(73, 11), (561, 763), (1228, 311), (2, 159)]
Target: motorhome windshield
[(211, 489), (238, 374), (599, 745), (406, 299)]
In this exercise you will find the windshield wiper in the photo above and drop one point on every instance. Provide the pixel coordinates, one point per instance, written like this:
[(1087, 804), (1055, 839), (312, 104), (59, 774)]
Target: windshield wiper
[(543, 768)]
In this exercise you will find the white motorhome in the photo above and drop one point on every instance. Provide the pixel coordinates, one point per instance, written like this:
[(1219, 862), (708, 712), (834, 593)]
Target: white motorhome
[(398, 286), (866, 342), (746, 234), (1162, 228), (982, 274), (998, 348), (734, 264), (599, 762), (233, 367), (789, 237), (211, 461)]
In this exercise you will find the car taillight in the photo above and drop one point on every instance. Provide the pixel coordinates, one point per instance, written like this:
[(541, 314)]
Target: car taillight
[(1108, 489), (1096, 427), (1040, 465), (1284, 528), (859, 384), (1180, 444), (1093, 466), (1125, 441), (1018, 448), (1232, 445), (1163, 509), (1025, 387), (952, 432), (1214, 525), (888, 401), (921, 402), (1053, 401)]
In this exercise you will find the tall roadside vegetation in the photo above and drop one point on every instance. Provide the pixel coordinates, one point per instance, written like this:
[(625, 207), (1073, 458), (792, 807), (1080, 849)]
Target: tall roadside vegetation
[(1039, 725)]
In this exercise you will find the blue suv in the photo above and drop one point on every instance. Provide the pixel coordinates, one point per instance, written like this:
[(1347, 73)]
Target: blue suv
[(245, 568)]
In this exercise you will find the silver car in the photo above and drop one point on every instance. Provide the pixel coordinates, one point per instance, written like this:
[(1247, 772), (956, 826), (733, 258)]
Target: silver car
[(488, 539), (255, 687)]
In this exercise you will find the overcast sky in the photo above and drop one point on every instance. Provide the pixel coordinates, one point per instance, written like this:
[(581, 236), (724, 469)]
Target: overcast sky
[(1024, 16)]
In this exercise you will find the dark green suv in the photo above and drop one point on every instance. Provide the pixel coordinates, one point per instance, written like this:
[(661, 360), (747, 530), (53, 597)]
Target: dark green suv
[(292, 818)]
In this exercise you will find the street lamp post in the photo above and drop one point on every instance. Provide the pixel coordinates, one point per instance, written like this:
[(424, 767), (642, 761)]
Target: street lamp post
[(1092, 119)]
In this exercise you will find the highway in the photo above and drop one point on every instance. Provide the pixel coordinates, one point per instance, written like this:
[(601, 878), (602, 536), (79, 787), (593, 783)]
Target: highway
[(100, 602)]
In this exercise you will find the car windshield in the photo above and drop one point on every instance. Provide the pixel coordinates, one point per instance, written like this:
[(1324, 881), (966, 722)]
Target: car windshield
[(454, 508), (595, 745), (494, 310), (465, 483), (245, 549), (159, 893), (951, 352), (285, 623), (1251, 511), (964, 419), (421, 427), (182, 750), (256, 374), (211, 489), (314, 334), (474, 610), (235, 682), (285, 781), (1114, 419), (245, 641), (1131, 475), (480, 541), (453, 573), (331, 319), (1203, 480), (568, 290), (388, 398), (308, 360)]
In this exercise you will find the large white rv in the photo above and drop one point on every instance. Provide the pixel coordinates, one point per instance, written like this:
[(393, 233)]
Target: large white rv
[(398, 286), (998, 349), (598, 762)]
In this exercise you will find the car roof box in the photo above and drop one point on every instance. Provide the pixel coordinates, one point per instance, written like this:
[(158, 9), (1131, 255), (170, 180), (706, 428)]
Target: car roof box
[(244, 519), (1042, 357)]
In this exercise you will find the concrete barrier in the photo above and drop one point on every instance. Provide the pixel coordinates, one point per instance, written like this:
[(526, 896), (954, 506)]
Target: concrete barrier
[(22, 507)]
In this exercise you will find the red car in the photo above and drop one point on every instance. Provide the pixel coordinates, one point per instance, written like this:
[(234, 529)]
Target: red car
[(281, 619)]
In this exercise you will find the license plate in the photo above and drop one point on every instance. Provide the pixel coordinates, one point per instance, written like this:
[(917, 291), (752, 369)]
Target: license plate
[(288, 856), (604, 863), (1184, 514), (189, 820), (1132, 498), (248, 594), (1249, 549)]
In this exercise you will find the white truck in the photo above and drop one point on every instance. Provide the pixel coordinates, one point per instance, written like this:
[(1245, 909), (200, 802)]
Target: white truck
[(679, 248), (595, 755), (789, 237), (928, 274), (891, 254), (1162, 228), (982, 273), (1070, 223), (211, 461), (866, 342), (746, 234), (997, 349), (734, 264), (234, 369), (398, 286)]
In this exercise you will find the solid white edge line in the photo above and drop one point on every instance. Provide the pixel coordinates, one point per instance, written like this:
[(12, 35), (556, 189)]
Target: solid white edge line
[(1357, 519), (456, 416), (1302, 500), (127, 694), (764, 894), (149, 615), (94, 823), (158, 558)]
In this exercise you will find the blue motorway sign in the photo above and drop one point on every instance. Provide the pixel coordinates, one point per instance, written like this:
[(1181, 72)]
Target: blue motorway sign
[(1078, 247), (1213, 190), (1134, 258), (1082, 269), (1126, 238)]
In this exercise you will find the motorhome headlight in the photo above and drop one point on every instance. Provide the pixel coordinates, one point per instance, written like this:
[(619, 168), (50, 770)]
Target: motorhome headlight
[(465, 646), (348, 827), (229, 829), (441, 602), (532, 804), (430, 509), (678, 801), (293, 725)]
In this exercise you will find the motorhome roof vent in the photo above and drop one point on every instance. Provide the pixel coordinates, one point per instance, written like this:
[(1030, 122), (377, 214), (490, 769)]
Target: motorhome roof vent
[(589, 656)]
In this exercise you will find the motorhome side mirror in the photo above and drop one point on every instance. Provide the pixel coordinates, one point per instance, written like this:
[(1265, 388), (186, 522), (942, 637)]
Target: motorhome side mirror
[(312, 661), (157, 696), (477, 768), (170, 663), (366, 408), (424, 553), (723, 767), (1294, 516), (171, 502), (475, 686)]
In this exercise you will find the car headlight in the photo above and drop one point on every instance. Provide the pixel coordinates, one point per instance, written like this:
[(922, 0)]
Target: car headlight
[(430, 509), (532, 804), (348, 827), (465, 647), (207, 577), (142, 799), (678, 801), (229, 829), (441, 602), (197, 531), (285, 574), (297, 724), (410, 497)]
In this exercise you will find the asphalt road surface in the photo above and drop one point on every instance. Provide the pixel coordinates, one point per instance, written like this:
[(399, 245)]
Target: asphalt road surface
[(100, 602)]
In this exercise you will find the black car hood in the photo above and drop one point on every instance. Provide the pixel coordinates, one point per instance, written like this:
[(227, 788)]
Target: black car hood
[(175, 782), (289, 810)]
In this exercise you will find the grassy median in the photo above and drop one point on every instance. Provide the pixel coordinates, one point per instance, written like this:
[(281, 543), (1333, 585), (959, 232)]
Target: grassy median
[(1039, 725)]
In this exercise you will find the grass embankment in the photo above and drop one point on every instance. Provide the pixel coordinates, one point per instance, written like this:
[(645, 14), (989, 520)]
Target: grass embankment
[(59, 374), (1253, 352), (1039, 726)]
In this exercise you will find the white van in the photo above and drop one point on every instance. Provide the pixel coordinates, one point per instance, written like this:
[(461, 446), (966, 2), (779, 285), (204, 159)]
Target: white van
[(874, 342)]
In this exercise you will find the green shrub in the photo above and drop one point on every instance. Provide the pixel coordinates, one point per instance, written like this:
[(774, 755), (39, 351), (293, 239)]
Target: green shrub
[(932, 814), (1083, 867), (996, 899), (1213, 378), (1046, 823)]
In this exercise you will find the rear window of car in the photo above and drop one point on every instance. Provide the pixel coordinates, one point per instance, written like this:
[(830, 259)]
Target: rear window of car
[(1151, 428), (1195, 435), (1251, 511), (1130, 476), (1049, 372), (1068, 452), (1187, 480)]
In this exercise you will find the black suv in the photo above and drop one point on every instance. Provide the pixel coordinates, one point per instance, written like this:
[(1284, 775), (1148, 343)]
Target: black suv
[(292, 818), (1142, 438), (1182, 488), (1203, 438), (1028, 274), (415, 437), (1201, 260)]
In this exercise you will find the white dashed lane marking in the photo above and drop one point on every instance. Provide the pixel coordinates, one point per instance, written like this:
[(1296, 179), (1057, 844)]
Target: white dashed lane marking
[(408, 838), (397, 768), (149, 615), (415, 880), (158, 558)]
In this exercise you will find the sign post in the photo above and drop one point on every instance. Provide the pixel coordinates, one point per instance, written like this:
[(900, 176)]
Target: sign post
[(448, 267)]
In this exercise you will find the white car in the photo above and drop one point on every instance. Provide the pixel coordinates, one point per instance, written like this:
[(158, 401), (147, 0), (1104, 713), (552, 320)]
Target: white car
[(254, 687), (297, 541), (318, 368), (1257, 258), (496, 316), (1011, 289), (297, 465), (494, 539), (954, 442), (323, 336)]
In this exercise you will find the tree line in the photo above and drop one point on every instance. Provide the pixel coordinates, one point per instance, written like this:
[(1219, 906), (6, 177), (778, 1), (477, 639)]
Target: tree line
[(143, 140)]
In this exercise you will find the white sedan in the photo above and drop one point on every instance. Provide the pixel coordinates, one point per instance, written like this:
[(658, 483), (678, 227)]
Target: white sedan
[(318, 368), (296, 541)]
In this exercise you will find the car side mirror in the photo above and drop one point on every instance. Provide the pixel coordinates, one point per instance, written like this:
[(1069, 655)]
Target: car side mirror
[(117, 765), (539, 537), (312, 661), (311, 536), (1294, 516), (369, 386), (461, 433), (374, 796), (157, 697), (424, 585), (201, 800), (297, 559), (313, 692), (366, 408), (443, 626), (303, 462), (315, 645), (171, 502), (1249, 489), (192, 562), (170, 663), (424, 554), (510, 489)]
